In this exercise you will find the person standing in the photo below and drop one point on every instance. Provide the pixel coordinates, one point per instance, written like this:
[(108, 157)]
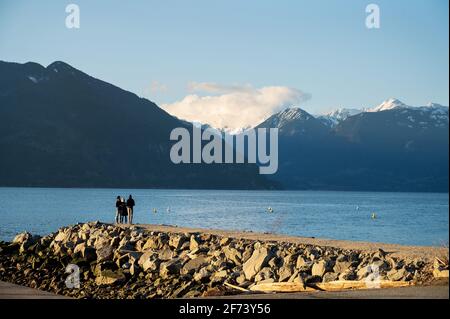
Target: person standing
[(118, 210), (123, 209), (130, 205)]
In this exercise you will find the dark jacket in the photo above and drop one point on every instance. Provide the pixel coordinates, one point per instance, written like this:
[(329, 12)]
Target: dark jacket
[(130, 202)]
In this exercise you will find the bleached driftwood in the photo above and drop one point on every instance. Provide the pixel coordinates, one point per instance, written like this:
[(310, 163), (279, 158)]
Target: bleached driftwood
[(338, 285)]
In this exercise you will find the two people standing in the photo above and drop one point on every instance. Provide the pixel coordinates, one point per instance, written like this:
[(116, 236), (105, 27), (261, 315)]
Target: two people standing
[(124, 210)]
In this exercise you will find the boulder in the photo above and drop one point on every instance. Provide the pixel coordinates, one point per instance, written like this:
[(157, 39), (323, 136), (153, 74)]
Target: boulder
[(320, 267), (85, 252), (219, 276), (148, 255), (104, 253), (397, 274), (151, 265), (202, 275), (224, 241), (232, 254), (330, 276), (194, 243), (284, 273), (176, 241), (166, 254), (101, 242), (194, 265), (109, 277), (348, 275), (21, 238), (171, 267), (342, 266), (264, 274), (62, 236), (257, 261), (303, 264), (100, 267)]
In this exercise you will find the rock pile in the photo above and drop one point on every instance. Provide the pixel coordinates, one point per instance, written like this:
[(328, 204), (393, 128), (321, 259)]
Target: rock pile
[(132, 262)]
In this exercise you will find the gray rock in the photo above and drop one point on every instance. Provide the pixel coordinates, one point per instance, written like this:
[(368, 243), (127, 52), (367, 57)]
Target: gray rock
[(176, 241), (109, 277), (104, 254), (397, 274), (85, 252), (194, 243), (232, 254), (330, 276), (348, 275), (202, 275), (342, 266), (166, 254), (257, 261), (171, 267), (320, 268), (194, 265), (265, 273), (285, 273)]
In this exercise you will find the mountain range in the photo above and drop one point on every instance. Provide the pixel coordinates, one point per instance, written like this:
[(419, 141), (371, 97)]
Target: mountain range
[(64, 128), (392, 147)]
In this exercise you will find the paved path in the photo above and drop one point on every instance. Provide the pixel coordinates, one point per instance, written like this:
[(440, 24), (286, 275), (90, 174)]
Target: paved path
[(12, 291)]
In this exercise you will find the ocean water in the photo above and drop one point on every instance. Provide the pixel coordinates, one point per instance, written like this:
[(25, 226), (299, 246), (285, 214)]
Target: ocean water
[(403, 218)]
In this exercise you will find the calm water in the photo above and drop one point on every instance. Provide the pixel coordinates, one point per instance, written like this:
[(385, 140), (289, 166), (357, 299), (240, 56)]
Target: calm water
[(404, 218)]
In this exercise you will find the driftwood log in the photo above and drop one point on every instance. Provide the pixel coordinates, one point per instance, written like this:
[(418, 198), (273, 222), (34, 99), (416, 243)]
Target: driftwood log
[(338, 285)]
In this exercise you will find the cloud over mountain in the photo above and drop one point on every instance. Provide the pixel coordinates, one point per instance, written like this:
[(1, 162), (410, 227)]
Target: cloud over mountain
[(233, 107)]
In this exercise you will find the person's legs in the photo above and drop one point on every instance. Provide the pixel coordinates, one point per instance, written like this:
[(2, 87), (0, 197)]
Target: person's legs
[(130, 215), (117, 215)]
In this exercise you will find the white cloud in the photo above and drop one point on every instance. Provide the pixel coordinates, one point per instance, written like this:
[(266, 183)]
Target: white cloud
[(234, 107)]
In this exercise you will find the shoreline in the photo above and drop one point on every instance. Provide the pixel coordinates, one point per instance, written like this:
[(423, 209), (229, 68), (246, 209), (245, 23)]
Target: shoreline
[(147, 261)]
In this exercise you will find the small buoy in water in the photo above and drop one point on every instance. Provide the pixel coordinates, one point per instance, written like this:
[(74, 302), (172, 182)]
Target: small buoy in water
[(374, 216), (154, 210), (168, 209), (357, 207), (269, 209)]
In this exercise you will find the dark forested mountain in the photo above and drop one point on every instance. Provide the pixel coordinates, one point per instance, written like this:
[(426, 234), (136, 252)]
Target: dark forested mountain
[(393, 147), (62, 127)]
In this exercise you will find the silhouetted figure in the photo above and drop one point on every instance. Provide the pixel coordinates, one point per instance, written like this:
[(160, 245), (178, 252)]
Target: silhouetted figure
[(118, 210), (123, 211), (130, 205)]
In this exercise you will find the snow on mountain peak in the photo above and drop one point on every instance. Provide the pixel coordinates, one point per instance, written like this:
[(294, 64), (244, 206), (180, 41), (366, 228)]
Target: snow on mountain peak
[(288, 115), (333, 118), (390, 104)]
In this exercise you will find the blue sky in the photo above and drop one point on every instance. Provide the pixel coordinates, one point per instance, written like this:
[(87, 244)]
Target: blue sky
[(319, 47)]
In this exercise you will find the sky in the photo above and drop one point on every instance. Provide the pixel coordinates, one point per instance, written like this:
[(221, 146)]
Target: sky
[(232, 63)]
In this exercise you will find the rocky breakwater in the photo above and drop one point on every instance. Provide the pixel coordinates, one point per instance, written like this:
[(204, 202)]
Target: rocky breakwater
[(133, 262)]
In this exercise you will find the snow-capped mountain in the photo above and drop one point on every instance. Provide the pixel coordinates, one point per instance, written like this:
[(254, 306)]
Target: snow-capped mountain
[(286, 116), (293, 122), (333, 118), (389, 104)]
